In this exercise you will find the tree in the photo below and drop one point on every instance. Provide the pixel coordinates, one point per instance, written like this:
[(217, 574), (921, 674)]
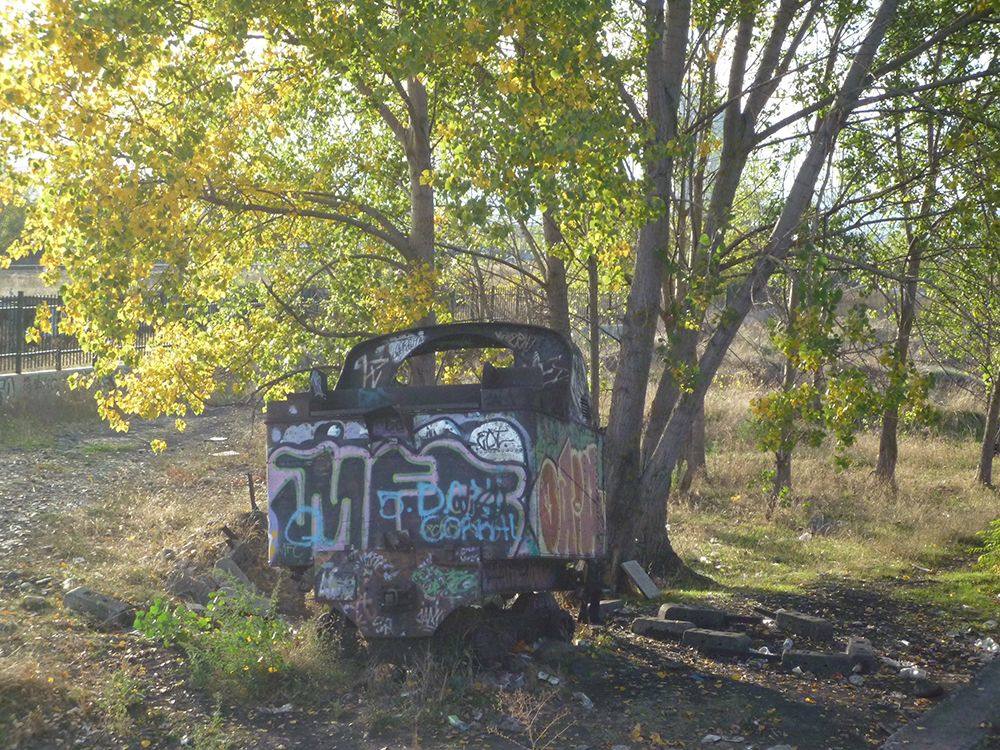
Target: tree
[(961, 322)]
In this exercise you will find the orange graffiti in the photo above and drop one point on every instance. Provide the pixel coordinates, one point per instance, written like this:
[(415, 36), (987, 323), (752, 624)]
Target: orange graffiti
[(570, 506)]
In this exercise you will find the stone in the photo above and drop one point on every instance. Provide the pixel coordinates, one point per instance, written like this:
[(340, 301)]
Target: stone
[(555, 653), (187, 585), (583, 700), (703, 617), (104, 609), (34, 603), (610, 606), (863, 658), (856, 680), (653, 627), (820, 663), (780, 747), (924, 688), (226, 571), (511, 725), (647, 587), (720, 642), (817, 628)]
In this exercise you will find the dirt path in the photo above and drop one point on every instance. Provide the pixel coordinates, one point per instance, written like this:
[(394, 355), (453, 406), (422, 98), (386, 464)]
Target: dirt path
[(83, 459)]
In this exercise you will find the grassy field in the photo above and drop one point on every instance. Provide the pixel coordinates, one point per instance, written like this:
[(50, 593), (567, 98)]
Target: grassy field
[(726, 527), (57, 674)]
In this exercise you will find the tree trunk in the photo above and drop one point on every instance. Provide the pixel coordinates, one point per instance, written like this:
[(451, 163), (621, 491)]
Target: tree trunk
[(421, 237), (694, 460), (594, 313), (664, 73), (655, 481), (783, 456), (990, 436), (888, 449), (556, 290)]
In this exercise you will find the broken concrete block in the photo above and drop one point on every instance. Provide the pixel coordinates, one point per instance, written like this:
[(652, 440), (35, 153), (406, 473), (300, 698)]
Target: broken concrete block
[(189, 586), (34, 602), (862, 655), (819, 663), (104, 609), (720, 642), (610, 606), (809, 626), (654, 627), (226, 571), (647, 587), (703, 617)]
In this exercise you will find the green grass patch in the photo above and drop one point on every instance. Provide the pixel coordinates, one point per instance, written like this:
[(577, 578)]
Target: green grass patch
[(23, 432), (969, 595)]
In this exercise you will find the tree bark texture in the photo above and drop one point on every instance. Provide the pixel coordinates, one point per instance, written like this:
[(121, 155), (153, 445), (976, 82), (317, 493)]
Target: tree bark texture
[(990, 436), (665, 59), (556, 289)]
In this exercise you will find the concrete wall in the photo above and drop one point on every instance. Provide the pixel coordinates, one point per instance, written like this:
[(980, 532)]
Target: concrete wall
[(24, 279), (31, 385)]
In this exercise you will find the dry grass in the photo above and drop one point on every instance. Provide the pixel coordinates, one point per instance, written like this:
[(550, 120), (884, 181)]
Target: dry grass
[(725, 525)]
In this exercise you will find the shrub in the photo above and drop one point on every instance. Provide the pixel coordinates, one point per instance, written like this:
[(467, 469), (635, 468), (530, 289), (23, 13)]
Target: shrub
[(990, 559), (233, 648)]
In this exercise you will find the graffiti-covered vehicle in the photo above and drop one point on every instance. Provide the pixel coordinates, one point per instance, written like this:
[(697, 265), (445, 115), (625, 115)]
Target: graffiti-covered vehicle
[(408, 502)]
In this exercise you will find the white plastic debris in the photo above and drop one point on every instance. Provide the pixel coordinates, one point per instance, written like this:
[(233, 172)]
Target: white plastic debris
[(549, 678), (287, 708), (787, 646), (913, 673), (988, 645), (583, 700), (457, 723)]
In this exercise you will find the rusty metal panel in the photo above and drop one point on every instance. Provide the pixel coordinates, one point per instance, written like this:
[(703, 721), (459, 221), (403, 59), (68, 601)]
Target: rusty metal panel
[(399, 498)]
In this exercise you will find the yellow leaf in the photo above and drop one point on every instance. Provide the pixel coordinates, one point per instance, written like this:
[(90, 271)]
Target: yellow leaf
[(636, 734)]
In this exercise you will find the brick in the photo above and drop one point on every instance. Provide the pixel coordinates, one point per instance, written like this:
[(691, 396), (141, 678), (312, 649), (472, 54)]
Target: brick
[(717, 641), (820, 663), (654, 627), (647, 587), (862, 654), (703, 617), (102, 608), (805, 625)]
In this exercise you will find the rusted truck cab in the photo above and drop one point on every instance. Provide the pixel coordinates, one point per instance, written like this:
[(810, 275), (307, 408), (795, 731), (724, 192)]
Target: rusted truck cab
[(408, 502)]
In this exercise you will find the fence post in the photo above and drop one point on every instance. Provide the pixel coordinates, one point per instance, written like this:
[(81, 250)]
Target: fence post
[(18, 333), (56, 314)]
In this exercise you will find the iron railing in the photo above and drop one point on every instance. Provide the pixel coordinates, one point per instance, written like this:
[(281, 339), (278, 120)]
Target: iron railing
[(55, 351)]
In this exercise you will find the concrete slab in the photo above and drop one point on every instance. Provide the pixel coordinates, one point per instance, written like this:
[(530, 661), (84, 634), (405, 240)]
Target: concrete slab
[(641, 579), (968, 719)]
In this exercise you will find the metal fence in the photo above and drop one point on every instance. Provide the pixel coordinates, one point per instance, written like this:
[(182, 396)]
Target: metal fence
[(55, 351)]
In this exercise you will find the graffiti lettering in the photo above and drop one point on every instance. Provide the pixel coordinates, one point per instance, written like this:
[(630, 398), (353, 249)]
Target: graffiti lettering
[(569, 503), (321, 497), (497, 440), (436, 581)]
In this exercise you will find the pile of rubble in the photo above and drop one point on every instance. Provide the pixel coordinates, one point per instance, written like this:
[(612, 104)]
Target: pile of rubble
[(716, 633)]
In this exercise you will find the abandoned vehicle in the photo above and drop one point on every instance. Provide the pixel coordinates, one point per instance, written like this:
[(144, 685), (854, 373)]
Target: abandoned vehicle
[(402, 503)]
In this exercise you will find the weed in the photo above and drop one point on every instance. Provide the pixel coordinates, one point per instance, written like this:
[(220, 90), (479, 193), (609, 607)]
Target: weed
[(118, 697), (990, 558), (233, 649), (212, 734), (543, 724)]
